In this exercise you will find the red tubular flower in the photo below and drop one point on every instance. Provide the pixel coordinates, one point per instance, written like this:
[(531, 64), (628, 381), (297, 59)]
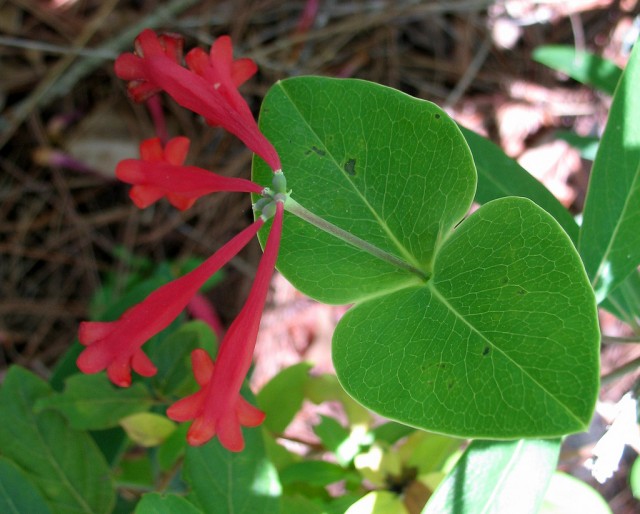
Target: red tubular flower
[(116, 345), (209, 88), (160, 173), (131, 66), (217, 408)]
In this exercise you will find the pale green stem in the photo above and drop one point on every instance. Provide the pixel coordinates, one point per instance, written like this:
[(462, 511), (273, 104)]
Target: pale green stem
[(629, 367), (620, 340), (298, 210)]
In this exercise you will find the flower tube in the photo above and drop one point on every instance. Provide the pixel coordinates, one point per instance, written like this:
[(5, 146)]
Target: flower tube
[(217, 408)]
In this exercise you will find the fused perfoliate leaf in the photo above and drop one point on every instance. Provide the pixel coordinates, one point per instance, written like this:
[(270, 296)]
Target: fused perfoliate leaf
[(485, 327)]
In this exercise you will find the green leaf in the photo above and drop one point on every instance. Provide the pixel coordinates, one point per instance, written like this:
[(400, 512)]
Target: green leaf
[(173, 447), (148, 429), (391, 432), (315, 473), (387, 168), (634, 478), (281, 398), (91, 402), (494, 476), (172, 356), (135, 471), (585, 67), (499, 175), (232, 483), (378, 502), (587, 145), (503, 342), (156, 503), (568, 495), (488, 330), (18, 494), (64, 463), (345, 444), (609, 237), (428, 452), (326, 387)]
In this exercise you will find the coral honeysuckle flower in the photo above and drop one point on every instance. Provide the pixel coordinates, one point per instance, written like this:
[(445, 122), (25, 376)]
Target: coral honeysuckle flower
[(116, 345), (160, 173), (209, 88), (217, 408), (131, 67)]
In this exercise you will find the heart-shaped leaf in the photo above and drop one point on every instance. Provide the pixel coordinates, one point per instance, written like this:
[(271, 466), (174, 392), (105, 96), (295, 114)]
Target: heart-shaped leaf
[(388, 168), (488, 330)]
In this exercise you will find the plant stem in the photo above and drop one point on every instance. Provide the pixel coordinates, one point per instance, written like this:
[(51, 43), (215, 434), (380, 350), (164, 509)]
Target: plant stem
[(620, 340), (629, 367), (298, 210)]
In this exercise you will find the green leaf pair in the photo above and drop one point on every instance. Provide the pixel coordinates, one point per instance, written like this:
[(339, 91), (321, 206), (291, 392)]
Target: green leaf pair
[(476, 327)]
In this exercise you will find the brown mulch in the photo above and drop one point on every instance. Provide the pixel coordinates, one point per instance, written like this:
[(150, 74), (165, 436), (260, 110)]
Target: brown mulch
[(66, 121)]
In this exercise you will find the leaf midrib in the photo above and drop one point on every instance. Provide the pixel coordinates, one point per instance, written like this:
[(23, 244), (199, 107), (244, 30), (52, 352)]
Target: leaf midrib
[(51, 459), (403, 251), (623, 213), (440, 297)]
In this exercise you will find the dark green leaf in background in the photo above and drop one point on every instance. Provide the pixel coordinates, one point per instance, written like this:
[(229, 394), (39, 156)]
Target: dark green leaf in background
[(609, 237), (64, 463), (172, 357), (18, 495), (585, 67), (155, 503), (281, 398), (500, 176), (91, 402), (498, 477)]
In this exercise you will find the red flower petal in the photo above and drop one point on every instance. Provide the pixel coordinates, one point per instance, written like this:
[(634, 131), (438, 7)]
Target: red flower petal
[(115, 346), (218, 409)]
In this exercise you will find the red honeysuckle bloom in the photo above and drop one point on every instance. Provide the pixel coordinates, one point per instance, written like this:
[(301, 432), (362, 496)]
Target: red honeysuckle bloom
[(160, 173), (116, 345), (130, 66), (209, 88), (217, 408)]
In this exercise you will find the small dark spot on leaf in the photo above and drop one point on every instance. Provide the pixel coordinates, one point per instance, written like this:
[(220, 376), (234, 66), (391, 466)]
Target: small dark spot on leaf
[(522, 292), (486, 350), (319, 151), (442, 365), (437, 116), (350, 167), (504, 280), (450, 384)]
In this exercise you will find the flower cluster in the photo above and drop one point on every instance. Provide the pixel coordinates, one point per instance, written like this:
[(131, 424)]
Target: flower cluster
[(207, 85)]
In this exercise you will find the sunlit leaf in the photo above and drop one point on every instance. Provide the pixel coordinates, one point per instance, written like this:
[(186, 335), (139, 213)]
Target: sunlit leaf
[(609, 237), (495, 476), (486, 329)]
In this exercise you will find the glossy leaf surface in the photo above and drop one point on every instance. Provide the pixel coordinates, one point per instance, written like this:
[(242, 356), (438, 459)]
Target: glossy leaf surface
[(609, 237), (491, 329), (495, 476), (385, 167)]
